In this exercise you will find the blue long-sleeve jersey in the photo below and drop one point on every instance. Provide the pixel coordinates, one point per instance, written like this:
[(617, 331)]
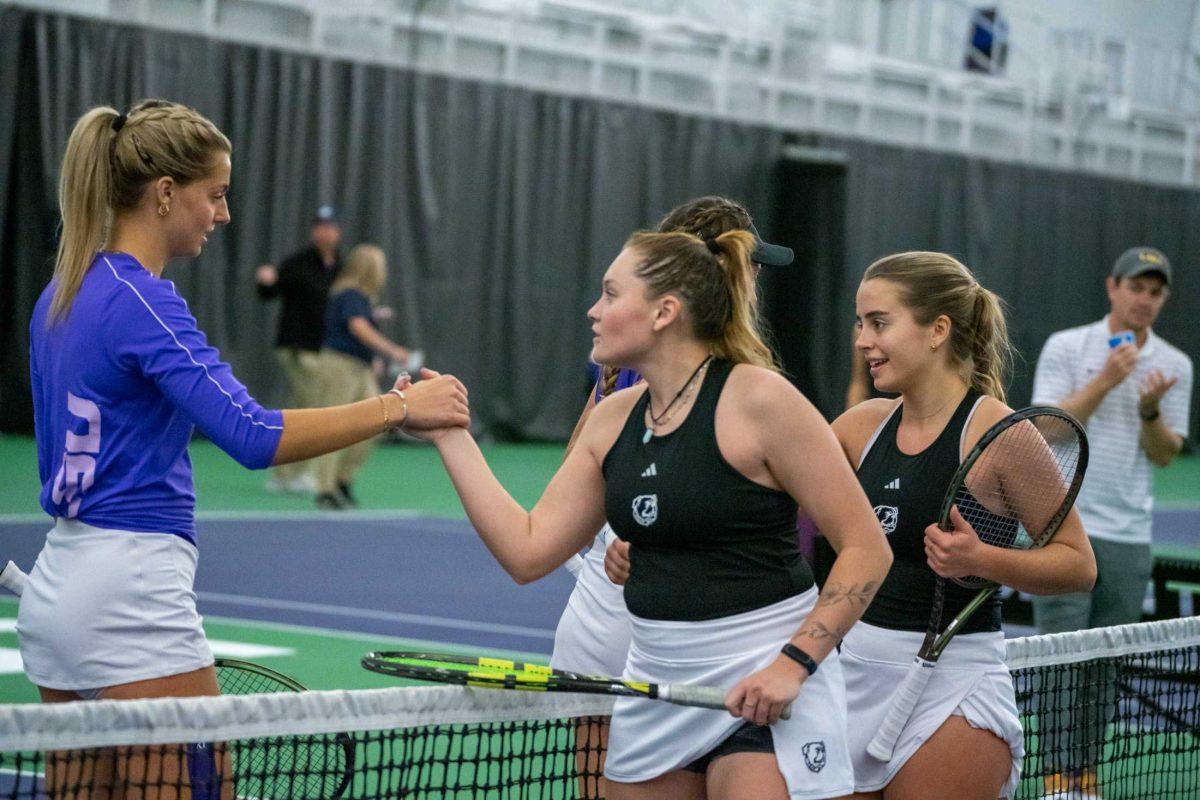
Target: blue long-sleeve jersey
[(119, 385)]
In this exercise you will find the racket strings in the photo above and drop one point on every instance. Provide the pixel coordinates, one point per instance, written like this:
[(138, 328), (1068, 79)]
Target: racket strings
[(1022, 484)]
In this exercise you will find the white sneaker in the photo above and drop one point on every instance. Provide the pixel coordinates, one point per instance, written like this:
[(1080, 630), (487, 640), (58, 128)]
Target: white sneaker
[(303, 484)]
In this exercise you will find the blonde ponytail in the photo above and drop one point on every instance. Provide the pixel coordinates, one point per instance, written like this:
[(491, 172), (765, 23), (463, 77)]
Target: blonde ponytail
[(109, 161), (84, 192), (991, 349), (716, 282), (741, 339)]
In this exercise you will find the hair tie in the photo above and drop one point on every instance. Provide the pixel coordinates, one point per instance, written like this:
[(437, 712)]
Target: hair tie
[(119, 122), (713, 246)]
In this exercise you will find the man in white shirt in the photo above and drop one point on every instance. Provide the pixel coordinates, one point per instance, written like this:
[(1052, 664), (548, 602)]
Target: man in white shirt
[(1132, 390)]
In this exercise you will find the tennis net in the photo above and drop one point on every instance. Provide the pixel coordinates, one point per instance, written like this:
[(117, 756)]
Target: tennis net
[(1113, 712)]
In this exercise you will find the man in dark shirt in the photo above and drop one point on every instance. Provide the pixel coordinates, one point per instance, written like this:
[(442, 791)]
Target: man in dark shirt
[(302, 283)]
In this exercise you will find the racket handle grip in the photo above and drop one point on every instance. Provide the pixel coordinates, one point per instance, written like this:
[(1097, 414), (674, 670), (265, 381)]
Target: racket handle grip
[(684, 694), (12, 578), (900, 709)]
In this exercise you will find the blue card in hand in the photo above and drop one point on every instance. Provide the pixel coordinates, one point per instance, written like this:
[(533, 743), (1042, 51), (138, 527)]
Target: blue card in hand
[(1120, 338)]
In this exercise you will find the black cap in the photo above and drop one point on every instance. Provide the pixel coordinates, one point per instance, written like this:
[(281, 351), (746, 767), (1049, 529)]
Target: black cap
[(325, 214), (774, 255)]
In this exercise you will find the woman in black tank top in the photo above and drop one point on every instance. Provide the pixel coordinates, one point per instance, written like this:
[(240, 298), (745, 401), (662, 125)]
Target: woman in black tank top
[(702, 470), (929, 332)]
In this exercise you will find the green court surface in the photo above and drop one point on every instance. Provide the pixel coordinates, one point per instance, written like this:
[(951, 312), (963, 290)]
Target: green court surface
[(403, 476), (409, 477)]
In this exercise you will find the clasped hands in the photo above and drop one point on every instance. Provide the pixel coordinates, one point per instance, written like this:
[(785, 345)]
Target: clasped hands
[(436, 405)]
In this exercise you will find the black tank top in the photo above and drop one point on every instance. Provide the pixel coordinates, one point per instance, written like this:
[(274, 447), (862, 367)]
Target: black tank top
[(708, 542), (907, 493)]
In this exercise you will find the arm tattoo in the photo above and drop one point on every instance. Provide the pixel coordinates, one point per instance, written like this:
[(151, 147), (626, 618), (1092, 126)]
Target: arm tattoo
[(819, 631), (858, 597)]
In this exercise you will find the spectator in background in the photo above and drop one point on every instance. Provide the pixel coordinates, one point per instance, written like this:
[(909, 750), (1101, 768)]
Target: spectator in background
[(1132, 390), (302, 284), (352, 340)]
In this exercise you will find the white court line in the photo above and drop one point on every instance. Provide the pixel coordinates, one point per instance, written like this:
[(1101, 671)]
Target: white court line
[(369, 613), (404, 642), (9, 624)]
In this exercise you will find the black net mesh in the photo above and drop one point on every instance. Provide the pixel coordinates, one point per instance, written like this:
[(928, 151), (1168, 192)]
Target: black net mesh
[(1113, 713), (528, 759)]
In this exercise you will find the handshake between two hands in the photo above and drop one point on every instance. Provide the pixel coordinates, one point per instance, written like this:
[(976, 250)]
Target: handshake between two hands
[(437, 405)]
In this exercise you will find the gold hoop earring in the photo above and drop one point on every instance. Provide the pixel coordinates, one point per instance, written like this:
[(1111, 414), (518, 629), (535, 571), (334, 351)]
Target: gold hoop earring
[(163, 209)]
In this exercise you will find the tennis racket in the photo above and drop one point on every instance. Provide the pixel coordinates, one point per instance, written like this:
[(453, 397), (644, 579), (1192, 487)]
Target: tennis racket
[(12, 578), (1014, 488), (318, 767), (499, 673)]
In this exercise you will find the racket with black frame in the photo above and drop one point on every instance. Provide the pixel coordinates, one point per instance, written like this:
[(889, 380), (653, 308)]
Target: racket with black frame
[(499, 673), (1014, 488), (318, 767)]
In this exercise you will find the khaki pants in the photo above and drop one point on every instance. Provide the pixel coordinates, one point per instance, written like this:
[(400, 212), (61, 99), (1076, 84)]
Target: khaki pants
[(302, 372), (344, 379)]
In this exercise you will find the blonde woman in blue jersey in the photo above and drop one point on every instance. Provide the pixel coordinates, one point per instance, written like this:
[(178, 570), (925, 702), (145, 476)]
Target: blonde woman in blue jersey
[(931, 333), (121, 378), (702, 468)]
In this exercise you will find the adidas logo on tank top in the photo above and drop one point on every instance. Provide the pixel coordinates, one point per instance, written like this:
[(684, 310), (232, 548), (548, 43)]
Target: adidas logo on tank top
[(894, 483), (650, 471)]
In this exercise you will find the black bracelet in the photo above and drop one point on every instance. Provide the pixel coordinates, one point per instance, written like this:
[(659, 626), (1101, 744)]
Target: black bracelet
[(800, 657), (1150, 418)]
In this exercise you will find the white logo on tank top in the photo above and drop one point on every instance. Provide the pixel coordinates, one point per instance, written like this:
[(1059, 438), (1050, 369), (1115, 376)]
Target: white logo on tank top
[(650, 471), (645, 509), (894, 483), (889, 517)]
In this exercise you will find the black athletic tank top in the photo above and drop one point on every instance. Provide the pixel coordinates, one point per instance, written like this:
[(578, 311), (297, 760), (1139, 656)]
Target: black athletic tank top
[(907, 493), (708, 542)]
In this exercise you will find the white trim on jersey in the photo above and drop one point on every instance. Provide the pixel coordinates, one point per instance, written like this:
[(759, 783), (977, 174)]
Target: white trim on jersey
[(184, 348), (871, 442)]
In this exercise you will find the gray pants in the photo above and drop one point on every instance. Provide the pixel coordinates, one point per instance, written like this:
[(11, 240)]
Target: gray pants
[(1074, 708)]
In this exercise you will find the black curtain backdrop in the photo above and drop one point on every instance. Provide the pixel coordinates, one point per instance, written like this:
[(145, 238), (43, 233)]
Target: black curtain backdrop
[(500, 208), (1043, 240)]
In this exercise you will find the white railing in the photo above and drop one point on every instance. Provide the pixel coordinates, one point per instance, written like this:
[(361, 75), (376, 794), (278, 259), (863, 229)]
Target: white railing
[(887, 70)]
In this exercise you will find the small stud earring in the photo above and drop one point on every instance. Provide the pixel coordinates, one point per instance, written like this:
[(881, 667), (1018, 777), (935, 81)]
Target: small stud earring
[(932, 346)]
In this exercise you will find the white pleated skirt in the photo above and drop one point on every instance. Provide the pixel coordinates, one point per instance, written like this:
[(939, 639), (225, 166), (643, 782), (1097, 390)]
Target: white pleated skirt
[(649, 738), (105, 607), (970, 681), (592, 636)]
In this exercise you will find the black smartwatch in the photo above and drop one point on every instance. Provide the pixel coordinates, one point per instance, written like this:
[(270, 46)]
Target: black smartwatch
[(800, 657)]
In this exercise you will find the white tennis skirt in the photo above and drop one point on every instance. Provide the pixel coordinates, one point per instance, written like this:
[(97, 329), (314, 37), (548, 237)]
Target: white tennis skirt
[(649, 738), (970, 681), (106, 607), (592, 636)]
